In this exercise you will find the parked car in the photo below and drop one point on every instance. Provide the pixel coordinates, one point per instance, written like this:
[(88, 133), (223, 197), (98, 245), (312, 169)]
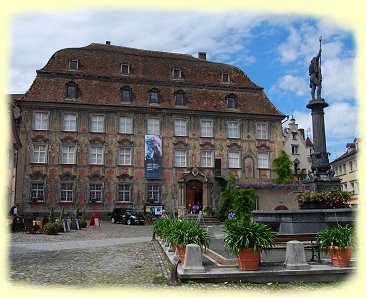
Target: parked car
[(128, 216)]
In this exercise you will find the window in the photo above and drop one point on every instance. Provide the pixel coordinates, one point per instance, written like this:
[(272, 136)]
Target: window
[(153, 126), (294, 135), (66, 192), (207, 158), (180, 127), (233, 130), (96, 155), (262, 131), (73, 64), (263, 160), (68, 155), (95, 192), (126, 94), (124, 192), (177, 73), (234, 159), (154, 96), (69, 123), (225, 77), (207, 128), (125, 156), (344, 169), (125, 69), (180, 99), (37, 191), (97, 123), (125, 125), (231, 101), (41, 121), (351, 167), (71, 90), (153, 193), (295, 149), (39, 154), (180, 158)]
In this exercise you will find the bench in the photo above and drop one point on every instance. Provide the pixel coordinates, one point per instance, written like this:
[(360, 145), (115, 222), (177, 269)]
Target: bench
[(308, 239)]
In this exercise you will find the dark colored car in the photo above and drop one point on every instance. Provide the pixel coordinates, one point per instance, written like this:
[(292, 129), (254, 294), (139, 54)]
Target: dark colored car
[(128, 216)]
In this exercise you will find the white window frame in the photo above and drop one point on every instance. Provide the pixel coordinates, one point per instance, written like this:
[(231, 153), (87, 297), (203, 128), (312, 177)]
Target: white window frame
[(69, 122), (39, 153), (73, 61), (294, 149), (153, 126), (39, 191), (96, 155), (225, 75), (206, 128), (68, 154), (180, 158), (234, 159), (124, 192), (153, 193), (97, 123), (179, 71), (232, 131), (262, 131), (67, 194), (41, 120), (263, 160), (207, 158), (124, 156), (180, 127), (95, 192), (125, 125), (128, 69)]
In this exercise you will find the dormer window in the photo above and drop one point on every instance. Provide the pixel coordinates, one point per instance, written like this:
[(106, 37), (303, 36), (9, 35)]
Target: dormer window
[(125, 69), (176, 73), (180, 98), (231, 101), (73, 64), (154, 96), (71, 90), (225, 78), (126, 94)]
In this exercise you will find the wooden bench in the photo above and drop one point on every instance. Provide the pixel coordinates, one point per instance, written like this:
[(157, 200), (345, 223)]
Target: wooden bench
[(308, 239)]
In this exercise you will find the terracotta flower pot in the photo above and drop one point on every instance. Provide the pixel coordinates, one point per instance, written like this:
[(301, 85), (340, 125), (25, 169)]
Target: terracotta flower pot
[(181, 253), (340, 257), (248, 259)]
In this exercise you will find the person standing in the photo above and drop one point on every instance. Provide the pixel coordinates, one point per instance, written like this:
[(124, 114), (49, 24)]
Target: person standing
[(14, 214)]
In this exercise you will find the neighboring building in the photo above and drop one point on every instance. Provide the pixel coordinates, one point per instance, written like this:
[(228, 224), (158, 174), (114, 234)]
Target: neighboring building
[(345, 168), (14, 147), (298, 148), (107, 126)]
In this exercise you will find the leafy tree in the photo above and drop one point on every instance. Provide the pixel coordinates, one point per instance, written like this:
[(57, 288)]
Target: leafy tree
[(51, 216), (284, 166)]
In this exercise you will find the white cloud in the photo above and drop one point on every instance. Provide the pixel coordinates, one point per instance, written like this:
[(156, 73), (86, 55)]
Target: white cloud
[(341, 120), (291, 83)]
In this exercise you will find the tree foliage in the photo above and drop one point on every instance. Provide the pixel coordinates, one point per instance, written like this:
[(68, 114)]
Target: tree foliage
[(284, 165)]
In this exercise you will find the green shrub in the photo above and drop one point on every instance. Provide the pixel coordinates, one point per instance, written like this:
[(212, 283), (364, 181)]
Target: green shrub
[(82, 221), (51, 228), (283, 166), (341, 236)]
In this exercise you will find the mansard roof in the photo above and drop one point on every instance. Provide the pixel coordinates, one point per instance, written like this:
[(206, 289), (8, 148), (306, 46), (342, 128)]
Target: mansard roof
[(99, 80)]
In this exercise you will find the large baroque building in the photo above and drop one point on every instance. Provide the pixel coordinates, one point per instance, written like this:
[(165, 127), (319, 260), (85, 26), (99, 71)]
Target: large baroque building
[(105, 126)]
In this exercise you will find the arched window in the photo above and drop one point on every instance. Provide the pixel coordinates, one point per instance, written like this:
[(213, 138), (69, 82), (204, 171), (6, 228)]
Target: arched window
[(71, 90), (154, 96), (180, 98), (231, 101)]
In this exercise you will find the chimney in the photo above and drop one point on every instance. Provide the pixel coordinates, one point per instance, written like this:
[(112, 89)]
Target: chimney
[(202, 55), (108, 42)]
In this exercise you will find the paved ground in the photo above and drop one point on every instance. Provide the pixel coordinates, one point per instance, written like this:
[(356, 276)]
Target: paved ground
[(109, 256)]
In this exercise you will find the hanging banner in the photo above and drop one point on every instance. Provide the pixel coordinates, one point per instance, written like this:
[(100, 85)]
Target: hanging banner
[(153, 156)]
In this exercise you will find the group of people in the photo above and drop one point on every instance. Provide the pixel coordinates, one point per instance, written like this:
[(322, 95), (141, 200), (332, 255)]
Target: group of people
[(196, 208)]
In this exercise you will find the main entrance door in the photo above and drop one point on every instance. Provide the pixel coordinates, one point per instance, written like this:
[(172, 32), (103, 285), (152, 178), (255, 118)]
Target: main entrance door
[(194, 190)]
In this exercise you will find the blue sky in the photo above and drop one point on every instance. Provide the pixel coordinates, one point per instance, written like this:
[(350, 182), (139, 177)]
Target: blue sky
[(274, 50)]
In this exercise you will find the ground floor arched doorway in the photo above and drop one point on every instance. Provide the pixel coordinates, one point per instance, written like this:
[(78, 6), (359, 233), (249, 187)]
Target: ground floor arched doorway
[(194, 193)]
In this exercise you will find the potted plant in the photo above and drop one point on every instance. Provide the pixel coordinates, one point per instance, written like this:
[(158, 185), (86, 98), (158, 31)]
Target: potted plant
[(324, 199), (208, 211), (186, 232), (339, 242), (246, 239), (148, 217)]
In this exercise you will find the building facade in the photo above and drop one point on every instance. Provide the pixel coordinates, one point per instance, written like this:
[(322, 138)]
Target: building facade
[(299, 148), (106, 126), (345, 168)]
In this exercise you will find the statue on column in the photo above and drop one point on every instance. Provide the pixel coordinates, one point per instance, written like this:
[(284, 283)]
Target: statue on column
[(315, 76)]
